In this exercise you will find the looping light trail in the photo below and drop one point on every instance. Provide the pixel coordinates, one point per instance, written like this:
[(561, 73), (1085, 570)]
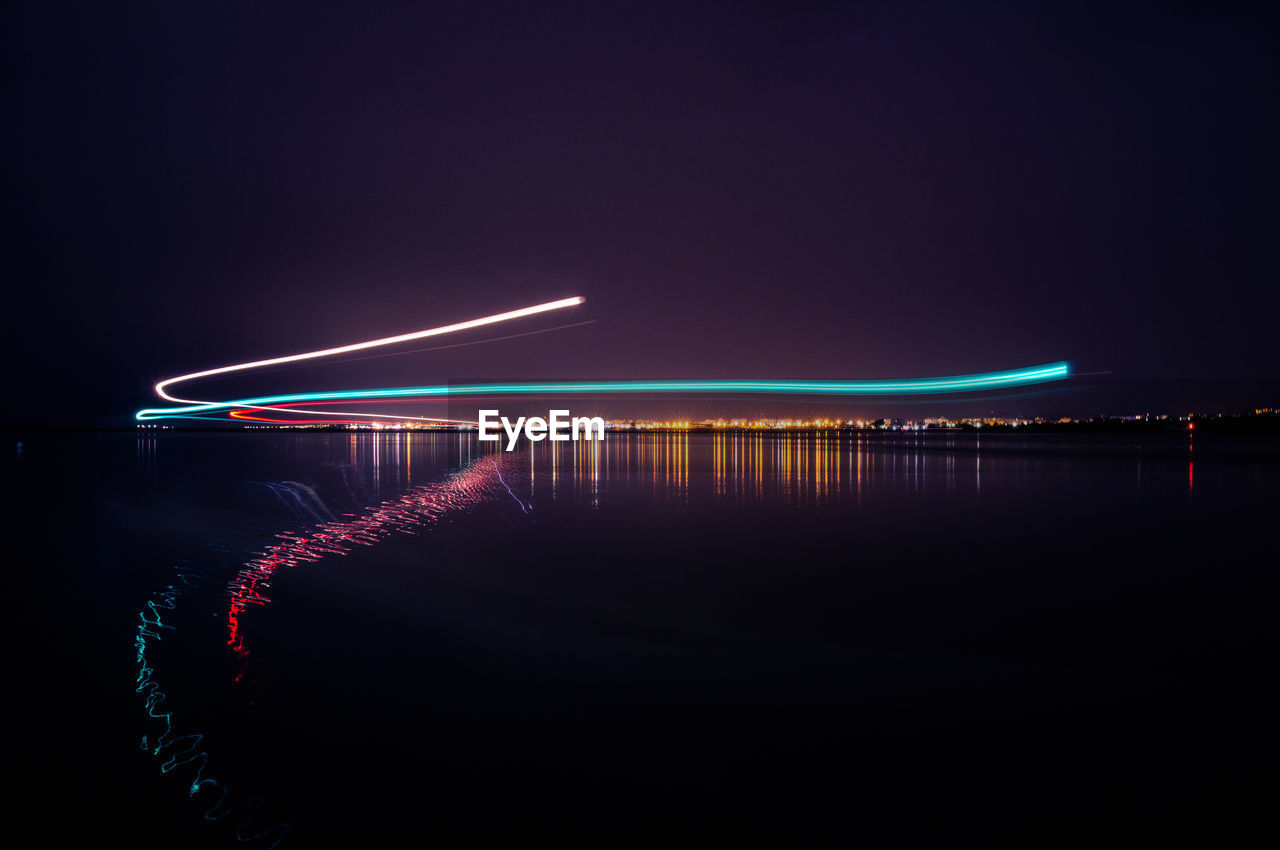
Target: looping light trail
[(358, 346), (959, 383), (192, 408)]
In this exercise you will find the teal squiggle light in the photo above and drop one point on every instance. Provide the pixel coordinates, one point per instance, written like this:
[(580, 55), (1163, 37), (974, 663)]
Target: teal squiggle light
[(179, 750), (915, 386)]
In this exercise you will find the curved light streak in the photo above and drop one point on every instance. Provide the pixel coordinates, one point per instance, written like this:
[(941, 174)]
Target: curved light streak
[(293, 408), (952, 384), (238, 408), (359, 346)]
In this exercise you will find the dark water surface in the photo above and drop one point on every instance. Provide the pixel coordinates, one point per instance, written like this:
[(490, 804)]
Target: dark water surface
[(392, 639)]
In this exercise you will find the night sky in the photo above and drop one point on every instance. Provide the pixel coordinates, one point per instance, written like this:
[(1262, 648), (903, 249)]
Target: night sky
[(798, 190)]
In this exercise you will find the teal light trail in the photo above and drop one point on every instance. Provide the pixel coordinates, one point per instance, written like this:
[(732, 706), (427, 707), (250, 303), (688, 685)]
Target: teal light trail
[(916, 386)]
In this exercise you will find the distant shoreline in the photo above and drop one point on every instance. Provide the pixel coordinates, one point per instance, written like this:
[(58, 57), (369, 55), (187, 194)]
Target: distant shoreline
[(1264, 422)]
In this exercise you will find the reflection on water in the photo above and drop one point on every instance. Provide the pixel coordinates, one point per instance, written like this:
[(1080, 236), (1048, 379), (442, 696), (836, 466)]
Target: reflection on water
[(811, 468), (818, 469), (771, 520), (409, 513), (371, 466), (174, 745)]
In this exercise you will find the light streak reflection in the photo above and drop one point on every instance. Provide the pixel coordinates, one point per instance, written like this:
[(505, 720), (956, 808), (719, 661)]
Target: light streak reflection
[(406, 513)]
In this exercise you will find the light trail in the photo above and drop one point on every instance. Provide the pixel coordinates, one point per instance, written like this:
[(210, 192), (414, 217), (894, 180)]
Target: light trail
[(953, 384), (292, 407), (237, 409), (359, 346)]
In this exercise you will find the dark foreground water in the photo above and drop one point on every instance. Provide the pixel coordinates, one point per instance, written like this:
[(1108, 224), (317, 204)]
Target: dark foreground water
[(328, 640)]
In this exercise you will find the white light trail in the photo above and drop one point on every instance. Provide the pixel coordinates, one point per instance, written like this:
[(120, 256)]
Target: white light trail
[(358, 346)]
